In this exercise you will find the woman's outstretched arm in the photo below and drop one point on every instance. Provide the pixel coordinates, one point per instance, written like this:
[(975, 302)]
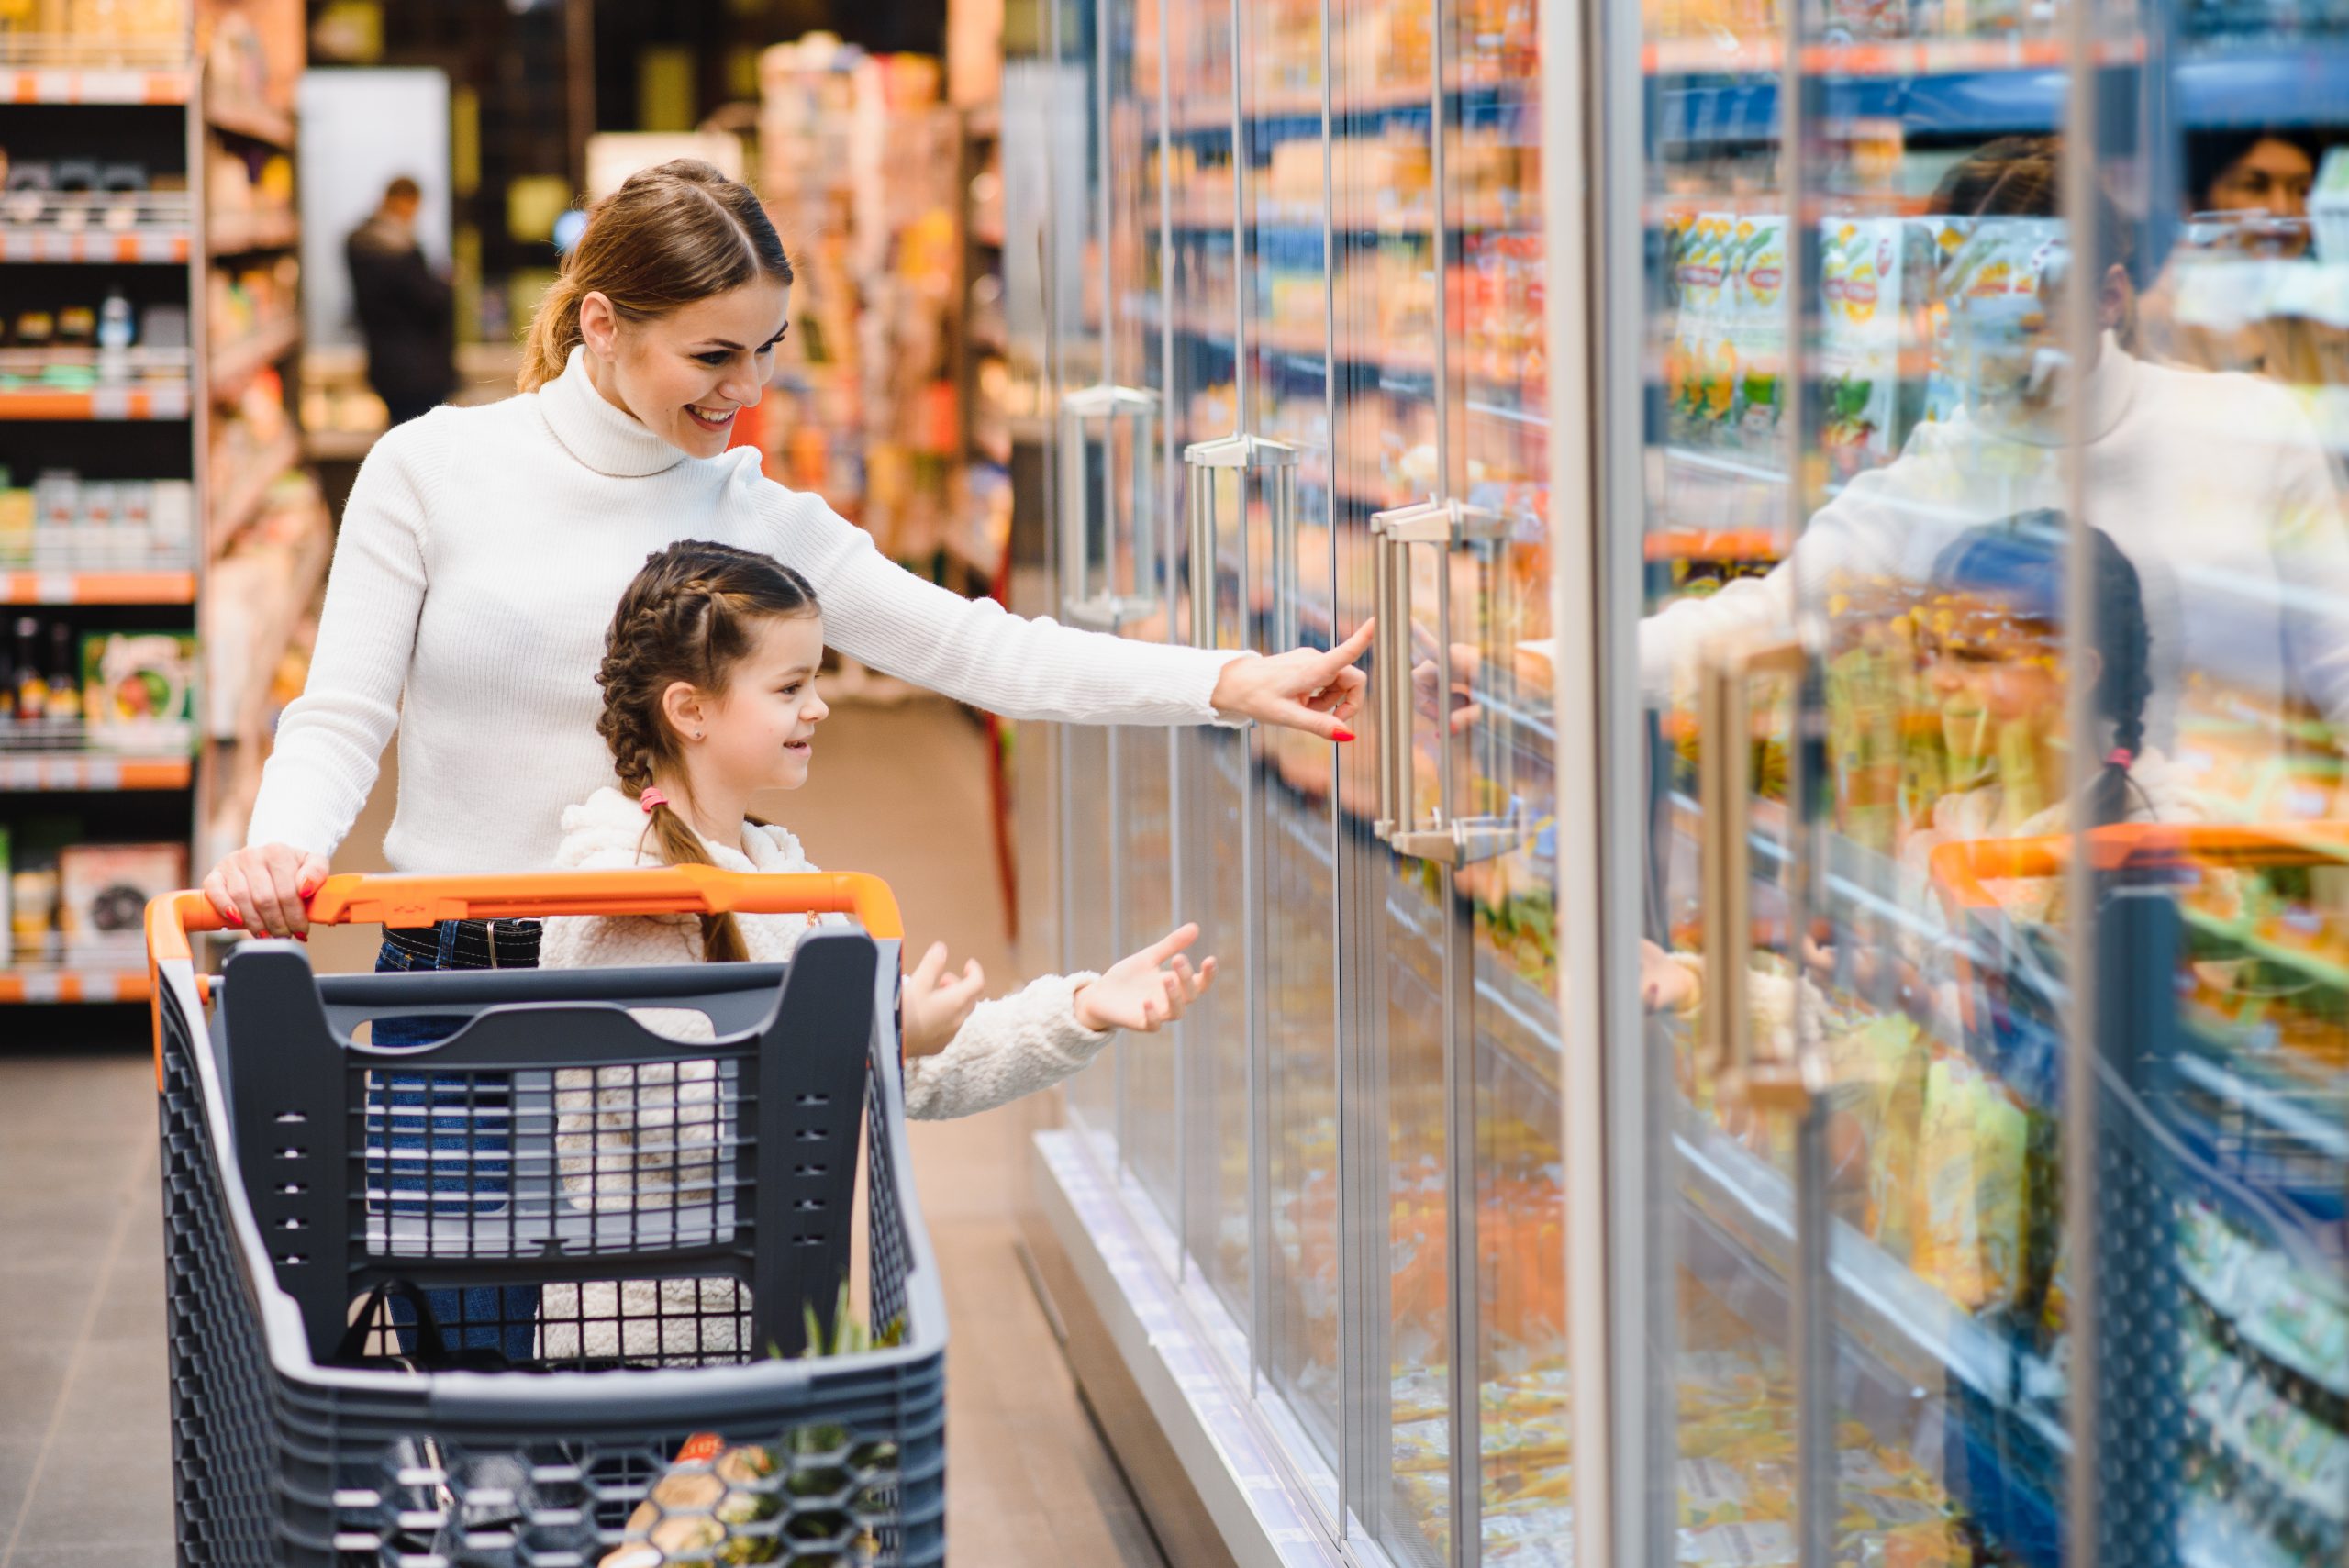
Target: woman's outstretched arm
[(975, 651)]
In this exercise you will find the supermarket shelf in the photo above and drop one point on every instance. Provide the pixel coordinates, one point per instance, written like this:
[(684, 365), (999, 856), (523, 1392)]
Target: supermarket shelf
[(1204, 114), (23, 772), (244, 497), (48, 243), (257, 122), (239, 363), (231, 234), (165, 402), (74, 84), (20, 987), (1480, 218), (97, 587), (1941, 87)]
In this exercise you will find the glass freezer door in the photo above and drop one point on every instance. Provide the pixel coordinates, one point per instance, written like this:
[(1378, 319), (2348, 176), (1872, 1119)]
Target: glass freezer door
[(1444, 279), (1092, 426), (1286, 336)]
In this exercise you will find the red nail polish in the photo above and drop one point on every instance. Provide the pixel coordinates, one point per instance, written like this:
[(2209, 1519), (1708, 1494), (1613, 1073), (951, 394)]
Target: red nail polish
[(235, 918), (1345, 735)]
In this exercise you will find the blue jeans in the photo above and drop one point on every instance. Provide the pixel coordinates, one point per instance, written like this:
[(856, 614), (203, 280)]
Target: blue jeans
[(450, 1114)]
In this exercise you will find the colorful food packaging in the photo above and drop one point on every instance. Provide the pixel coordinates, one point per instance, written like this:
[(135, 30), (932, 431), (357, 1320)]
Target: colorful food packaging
[(2290, 1317), (1757, 330), (1740, 1546), (1968, 1214), (1860, 305), (139, 690)]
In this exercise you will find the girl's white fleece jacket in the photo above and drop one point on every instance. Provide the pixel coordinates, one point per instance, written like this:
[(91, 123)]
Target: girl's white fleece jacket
[(628, 1136)]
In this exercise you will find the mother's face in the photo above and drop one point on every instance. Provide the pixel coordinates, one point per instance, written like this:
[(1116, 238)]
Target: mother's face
[(685, 374)]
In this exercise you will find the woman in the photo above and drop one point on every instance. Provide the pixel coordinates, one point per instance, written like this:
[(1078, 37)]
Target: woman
[(483, 549)]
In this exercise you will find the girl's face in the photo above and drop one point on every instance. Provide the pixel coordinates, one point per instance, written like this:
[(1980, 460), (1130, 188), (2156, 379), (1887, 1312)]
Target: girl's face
[(759, 733), (1989, 670), (686, 374)]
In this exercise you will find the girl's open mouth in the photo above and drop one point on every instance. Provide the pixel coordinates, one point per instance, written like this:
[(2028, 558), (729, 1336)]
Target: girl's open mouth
[(801, 747), (711, 422)]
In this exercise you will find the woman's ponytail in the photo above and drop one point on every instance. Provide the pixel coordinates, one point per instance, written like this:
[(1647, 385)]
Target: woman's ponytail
[(554, 332), (669, 235)]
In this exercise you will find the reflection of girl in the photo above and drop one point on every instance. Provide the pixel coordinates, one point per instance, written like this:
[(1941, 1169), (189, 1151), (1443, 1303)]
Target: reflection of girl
[(1995, 664), (1997, 659)]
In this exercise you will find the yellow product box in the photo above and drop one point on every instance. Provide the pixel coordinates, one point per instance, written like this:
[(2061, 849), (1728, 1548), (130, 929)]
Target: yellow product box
[(1969, 1213)]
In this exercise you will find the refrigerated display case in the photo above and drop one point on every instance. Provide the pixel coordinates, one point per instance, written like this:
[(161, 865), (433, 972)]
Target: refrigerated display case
[(1809, 1025)]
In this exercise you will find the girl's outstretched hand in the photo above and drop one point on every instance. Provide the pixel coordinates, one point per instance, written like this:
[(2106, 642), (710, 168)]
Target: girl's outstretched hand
[(1302, 689), (935, 1002), (1138, 993)]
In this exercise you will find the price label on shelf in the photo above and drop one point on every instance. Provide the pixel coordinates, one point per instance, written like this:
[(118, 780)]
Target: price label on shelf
[(55, 588), (44, 987)]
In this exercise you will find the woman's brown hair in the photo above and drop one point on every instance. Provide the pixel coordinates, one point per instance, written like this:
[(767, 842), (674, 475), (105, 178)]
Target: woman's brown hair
[(690, 614), (669, 235)]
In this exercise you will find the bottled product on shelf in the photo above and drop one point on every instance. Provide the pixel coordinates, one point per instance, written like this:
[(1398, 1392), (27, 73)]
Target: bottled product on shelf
[(63, 522)]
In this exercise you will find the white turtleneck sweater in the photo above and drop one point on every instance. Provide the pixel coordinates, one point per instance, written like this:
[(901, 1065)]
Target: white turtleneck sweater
[(481, 553)]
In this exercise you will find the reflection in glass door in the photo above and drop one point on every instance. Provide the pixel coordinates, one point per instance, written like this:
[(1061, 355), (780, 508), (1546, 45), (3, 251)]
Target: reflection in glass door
[(1287, 332), (1221, 852), (1083, 440)]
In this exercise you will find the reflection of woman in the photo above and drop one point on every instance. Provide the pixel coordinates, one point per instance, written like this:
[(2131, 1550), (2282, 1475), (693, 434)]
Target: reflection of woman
[(2214, 486), (483, 549), (2246, 199)]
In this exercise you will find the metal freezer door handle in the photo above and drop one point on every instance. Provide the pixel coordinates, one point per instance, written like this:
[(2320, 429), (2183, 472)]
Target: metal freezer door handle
[(1276, 461), (1725, 728), (1081, 410), (1447, 839)]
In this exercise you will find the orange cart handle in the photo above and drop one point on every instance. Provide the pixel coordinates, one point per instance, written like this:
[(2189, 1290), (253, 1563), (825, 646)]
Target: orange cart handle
[(1960, 869), (427, 900), (652, 890)]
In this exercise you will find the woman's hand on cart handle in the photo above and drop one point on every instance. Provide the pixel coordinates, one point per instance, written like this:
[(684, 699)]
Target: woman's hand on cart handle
[(1306, 688), (266, 889), (935, 1002), (1137, 994)]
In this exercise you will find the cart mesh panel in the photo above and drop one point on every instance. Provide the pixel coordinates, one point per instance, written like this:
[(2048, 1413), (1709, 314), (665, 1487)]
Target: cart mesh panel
[(223, 1428)]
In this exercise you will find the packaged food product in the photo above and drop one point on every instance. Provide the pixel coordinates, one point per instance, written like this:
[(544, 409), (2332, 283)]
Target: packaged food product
[(1968, 1214), (2305, 1457), (1423, 1445), (1711, 1493), (1757, 329), (1860, 323), (2212, 1256), (1740, 1546), (104, 889), (139, 691), (2288, 1313)]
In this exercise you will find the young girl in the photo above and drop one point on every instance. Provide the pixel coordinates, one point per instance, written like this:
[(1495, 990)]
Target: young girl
[(710, 696)]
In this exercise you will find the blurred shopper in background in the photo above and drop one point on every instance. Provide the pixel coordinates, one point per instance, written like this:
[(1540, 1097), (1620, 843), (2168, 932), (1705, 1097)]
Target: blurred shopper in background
[(406, 310)]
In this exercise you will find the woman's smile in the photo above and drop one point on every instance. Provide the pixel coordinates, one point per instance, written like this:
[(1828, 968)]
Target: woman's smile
[(710, 419)]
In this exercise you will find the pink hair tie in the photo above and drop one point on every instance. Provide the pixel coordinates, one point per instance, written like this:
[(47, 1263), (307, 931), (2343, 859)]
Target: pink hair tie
[(651, 798), (2121, 756)]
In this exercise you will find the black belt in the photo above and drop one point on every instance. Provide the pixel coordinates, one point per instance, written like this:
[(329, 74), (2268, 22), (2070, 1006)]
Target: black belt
[(479, 944)]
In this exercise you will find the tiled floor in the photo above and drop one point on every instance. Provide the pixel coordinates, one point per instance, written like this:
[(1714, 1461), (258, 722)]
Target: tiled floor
[(83, 1451)]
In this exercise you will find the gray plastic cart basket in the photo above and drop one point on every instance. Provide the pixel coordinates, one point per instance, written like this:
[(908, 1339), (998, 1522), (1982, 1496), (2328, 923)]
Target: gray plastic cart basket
[(660, 1224)]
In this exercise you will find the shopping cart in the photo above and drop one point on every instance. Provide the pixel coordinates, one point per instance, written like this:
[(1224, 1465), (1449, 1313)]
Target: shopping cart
[(678, 1217)]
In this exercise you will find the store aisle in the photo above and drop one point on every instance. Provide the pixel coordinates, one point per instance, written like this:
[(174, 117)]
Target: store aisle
[(83, 1451)]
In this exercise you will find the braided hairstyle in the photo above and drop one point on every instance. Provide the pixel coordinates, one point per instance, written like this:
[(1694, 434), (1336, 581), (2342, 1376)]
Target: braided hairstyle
[(691, 615), (2022, 561)]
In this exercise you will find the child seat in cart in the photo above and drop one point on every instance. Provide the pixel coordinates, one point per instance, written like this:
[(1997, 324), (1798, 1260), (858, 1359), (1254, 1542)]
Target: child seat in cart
[(552, 1288)]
